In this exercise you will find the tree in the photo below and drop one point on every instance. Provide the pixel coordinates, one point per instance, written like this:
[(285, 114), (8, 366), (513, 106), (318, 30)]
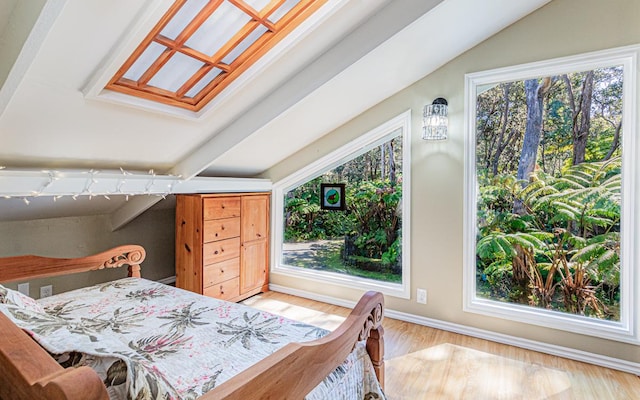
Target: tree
[(535, 91), (502, 143), (581, 115)]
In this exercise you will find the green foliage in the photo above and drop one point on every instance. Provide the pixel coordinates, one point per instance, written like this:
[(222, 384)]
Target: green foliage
[(371, 224), (572, 210), (564, 251)]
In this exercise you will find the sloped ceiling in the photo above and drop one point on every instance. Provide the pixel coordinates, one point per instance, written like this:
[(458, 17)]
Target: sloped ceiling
[(53, 117)]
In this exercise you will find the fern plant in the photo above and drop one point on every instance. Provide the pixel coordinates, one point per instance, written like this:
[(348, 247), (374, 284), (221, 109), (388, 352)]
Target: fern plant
[(564, 250)]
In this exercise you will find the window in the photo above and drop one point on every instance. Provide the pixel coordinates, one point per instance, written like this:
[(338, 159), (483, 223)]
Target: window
[(550, 198), (200, 46), (344, 219)]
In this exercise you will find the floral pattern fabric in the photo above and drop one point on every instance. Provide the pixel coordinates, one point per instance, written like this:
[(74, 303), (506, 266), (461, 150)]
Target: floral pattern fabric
[(15, 298), (151, 341)]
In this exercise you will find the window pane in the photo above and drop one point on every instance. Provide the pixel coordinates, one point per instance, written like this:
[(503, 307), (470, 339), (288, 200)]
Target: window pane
[(175, 72), (258, 5), (244, 45), (211, 75), (549, 174), (182, 18), (364, 239), (145, 60), (283, 10), (218, 29)]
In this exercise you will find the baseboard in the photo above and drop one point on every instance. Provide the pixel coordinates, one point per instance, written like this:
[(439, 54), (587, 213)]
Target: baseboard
[(560, 351)]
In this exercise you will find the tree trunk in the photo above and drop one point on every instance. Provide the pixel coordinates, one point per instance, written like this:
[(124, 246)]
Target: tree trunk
[(501, 142), (392, 163), (382, 157), (581, 130), (580, 116), (535, 92), (616, 141)]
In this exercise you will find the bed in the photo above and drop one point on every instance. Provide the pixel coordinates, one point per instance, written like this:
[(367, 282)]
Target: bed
[(48, 345)]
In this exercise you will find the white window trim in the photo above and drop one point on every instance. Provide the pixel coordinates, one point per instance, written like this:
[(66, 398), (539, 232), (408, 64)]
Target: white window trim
[(626, 330), (356, 147)]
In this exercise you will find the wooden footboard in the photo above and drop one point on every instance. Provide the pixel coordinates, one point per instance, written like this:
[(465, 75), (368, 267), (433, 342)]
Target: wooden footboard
[(28, 372), (293, 371)]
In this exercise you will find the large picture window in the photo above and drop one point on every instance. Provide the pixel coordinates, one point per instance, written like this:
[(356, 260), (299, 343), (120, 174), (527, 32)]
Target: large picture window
[(343, 218), (550, 187)]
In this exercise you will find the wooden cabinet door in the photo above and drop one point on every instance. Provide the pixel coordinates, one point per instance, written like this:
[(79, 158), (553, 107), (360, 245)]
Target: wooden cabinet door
[(253, 272), (255, 218)]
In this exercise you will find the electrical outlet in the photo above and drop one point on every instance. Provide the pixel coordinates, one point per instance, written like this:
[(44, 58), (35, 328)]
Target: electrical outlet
[(23, 288), (421, 296), (46, 291)]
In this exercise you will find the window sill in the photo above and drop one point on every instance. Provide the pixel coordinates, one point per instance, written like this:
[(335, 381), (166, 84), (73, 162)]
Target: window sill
[(387, 288)]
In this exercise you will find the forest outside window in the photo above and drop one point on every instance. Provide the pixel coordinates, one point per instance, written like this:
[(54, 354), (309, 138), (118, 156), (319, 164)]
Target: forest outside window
[(551, 194), (344, 218)]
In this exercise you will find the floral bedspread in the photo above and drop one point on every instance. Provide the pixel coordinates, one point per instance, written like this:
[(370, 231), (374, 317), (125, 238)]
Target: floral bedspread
[(151, 341)]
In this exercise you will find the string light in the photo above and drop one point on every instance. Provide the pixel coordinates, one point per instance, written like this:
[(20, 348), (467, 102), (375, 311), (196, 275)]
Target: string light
[(90, 189)]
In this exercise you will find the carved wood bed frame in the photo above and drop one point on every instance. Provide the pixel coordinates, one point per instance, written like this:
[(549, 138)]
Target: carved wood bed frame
[(28, 372)]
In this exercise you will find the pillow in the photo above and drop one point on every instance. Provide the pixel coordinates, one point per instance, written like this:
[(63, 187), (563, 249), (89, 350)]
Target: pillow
[(15, 298)]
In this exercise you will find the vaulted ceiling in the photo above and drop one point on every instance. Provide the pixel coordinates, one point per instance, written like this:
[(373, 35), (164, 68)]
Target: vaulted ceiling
[(57, 56)]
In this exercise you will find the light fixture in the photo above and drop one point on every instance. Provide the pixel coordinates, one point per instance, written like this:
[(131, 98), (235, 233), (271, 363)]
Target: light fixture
[(435, 120)]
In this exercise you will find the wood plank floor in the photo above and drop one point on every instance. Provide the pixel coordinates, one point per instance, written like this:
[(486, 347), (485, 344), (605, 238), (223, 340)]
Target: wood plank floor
[(427, 363)]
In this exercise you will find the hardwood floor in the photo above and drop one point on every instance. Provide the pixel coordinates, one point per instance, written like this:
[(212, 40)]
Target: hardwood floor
[(427, 363)]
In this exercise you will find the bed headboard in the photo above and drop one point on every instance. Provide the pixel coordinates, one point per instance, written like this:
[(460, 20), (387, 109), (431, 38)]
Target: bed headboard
[(28, 267)]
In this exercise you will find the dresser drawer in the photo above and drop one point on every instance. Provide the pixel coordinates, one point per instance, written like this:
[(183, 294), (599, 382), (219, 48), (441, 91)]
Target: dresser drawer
[(218, 229), (221, 207), (224, 290), (221, 250), (220, 272)]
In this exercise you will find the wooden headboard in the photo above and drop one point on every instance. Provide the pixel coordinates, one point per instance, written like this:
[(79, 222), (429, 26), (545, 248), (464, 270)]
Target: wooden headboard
[(29, 267)]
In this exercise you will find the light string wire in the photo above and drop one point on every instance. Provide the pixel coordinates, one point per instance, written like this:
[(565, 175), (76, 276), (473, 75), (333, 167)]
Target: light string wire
[(92, 179)]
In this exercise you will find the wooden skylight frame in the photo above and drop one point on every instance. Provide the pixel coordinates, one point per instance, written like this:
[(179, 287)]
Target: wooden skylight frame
[(277, 18)]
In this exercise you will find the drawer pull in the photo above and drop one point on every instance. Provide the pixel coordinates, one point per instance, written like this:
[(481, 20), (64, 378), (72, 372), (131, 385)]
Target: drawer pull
[(258, 235), (221, 271), (215, 252)]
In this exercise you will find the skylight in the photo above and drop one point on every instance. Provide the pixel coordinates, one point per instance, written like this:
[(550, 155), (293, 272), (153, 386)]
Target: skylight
[(200, 46)]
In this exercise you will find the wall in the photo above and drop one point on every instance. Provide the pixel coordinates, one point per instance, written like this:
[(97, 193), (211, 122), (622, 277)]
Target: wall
[(83, 236), (561, 28)]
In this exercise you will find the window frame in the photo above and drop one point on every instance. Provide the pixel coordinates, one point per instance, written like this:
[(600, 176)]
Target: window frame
[(626, 330), (177, 48), (354, 148)]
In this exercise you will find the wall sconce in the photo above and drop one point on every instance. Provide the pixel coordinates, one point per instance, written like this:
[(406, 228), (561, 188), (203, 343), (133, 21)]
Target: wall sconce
[(435, 120)]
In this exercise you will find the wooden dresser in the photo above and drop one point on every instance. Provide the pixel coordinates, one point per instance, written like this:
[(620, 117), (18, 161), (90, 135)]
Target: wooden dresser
[(222, 244)]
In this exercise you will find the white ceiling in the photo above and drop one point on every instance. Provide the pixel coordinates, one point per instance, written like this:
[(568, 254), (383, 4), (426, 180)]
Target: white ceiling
[(54, 115)]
